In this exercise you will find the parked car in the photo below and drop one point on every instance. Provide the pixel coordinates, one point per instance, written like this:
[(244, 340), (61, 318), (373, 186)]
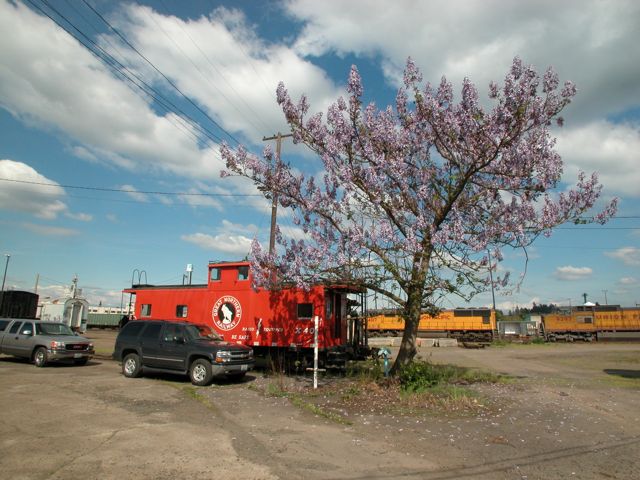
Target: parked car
[(180, 347), (43, 342)]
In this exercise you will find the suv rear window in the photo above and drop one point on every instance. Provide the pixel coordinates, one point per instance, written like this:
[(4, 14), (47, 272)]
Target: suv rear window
[(152, 332), (3, 325), (131, 329)]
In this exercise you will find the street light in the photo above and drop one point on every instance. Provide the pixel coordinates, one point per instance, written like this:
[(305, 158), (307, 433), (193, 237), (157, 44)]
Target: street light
[(4, 278)]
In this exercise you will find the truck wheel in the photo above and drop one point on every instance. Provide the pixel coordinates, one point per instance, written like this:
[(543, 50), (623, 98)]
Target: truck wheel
[(131, 366), (40, 357), (200, 372)]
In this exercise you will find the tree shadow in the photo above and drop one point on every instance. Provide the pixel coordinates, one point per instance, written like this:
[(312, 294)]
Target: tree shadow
[(622, 373)]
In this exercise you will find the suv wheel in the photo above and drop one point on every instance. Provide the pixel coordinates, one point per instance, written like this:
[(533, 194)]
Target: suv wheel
[(40, 357), (200, 372), (131, 366)]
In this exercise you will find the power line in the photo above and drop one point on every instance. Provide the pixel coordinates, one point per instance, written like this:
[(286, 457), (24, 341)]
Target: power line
[(124, 190), (205, 77), (597, 228), (170, 82), (125, 73)]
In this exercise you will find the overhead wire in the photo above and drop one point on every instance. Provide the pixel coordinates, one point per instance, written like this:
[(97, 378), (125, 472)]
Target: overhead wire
[(125, 190), (148, 89), (246, 55), (167, 79), (206, 78), (125, 73)]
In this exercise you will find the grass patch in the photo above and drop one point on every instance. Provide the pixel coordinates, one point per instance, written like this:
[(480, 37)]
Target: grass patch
[(192, 392), (301, 400), (538, 341), (420, 376), (103, 352)]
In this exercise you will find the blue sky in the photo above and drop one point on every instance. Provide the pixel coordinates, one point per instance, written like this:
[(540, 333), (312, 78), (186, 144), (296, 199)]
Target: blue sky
[(69, 120)]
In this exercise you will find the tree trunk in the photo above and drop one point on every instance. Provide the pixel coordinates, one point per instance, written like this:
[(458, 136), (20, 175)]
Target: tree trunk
[(411, 315)]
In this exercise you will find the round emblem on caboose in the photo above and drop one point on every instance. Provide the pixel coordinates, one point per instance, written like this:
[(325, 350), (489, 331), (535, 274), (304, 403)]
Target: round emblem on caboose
[(226, 312)]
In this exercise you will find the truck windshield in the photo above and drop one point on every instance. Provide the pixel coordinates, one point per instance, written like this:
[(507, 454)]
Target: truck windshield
[(53, 329), (195, 332)]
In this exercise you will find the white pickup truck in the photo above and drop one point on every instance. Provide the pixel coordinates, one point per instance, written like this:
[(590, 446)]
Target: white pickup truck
[(43, 342)]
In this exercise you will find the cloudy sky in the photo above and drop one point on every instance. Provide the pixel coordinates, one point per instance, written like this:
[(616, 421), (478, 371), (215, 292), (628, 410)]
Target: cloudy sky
[(112, 114)]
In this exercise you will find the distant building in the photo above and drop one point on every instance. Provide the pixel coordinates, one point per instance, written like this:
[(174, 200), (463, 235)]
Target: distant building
[(72, 309)]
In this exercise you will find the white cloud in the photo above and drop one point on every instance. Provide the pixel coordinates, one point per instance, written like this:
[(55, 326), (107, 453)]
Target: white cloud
[(133, 193), (235, 244), (234, 238), (229, 227), (50, 231), (627, 281), (609, 149), (293, 233), (219, 61), (38, 200), (81, 217), (587, 41), (48, 80), (628, 255), (573, 273), (508, 305)]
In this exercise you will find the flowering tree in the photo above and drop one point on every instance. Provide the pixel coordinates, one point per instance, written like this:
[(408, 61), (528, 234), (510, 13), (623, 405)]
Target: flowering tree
[(414, 198)]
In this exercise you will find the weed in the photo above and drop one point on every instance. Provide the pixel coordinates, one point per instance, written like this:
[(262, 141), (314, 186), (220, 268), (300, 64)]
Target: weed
[(317, 410), (192, 392), (420, 376), (368, 370)]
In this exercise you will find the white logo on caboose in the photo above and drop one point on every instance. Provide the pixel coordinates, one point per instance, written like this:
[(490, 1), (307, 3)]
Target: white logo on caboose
[(226, 312)]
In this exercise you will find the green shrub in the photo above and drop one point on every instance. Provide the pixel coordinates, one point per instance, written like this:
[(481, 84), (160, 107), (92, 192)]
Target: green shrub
[(419, 376), (368, 370)]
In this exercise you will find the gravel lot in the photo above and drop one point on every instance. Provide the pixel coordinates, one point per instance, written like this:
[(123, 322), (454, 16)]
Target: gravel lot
[(572, 411)]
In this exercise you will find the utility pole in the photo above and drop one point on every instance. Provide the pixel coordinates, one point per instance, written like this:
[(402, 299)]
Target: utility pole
[(605, 297), (493, 295), (4, 278), (274, 195), (6, 265)]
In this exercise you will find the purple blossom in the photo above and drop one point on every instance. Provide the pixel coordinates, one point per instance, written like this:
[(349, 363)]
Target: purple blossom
[(412, 198)]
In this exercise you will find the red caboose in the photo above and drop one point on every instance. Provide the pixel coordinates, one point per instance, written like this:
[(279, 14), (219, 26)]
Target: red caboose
[(278, 324)]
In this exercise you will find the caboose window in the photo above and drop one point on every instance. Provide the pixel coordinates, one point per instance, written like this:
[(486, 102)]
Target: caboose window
[(305, 311), (243, 273), (145, 310), (181, 311), (215, 274)]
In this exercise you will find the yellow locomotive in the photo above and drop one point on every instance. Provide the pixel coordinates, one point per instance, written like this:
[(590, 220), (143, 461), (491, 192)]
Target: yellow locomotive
[(597, 322), (469, 324)]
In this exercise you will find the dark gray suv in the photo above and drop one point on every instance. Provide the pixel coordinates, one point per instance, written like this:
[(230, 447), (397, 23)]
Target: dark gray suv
[(180, 347)]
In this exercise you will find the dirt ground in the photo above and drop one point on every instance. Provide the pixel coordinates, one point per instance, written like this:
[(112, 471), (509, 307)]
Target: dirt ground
[(568, 411)]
